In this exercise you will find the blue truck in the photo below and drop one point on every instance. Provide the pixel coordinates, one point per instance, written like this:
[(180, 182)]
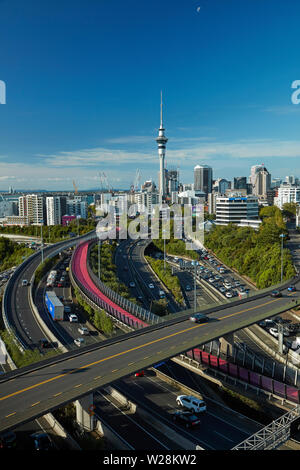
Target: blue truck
[(54, 306)]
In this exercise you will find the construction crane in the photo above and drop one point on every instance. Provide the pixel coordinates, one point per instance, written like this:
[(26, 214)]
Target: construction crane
[(75, 187), (137, 179), (135, 184)]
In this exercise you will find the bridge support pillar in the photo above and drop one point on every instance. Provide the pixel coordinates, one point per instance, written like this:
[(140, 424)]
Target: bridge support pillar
[(85, 412), (227, 344)]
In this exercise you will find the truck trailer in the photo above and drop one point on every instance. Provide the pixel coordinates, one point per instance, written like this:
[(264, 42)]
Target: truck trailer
[(54, 306)]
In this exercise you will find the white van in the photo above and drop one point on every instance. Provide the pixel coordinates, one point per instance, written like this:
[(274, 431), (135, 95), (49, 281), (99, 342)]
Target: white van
[(191, 403)]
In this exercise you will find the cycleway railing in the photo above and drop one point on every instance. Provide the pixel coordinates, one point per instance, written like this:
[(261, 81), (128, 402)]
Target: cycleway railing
[(126, 306)]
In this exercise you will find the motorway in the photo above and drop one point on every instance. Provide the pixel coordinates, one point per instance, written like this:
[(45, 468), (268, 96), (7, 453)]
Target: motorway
[(25, 396), (18, 306)]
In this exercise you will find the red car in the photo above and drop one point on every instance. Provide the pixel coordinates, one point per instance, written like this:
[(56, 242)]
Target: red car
[(141, 373)]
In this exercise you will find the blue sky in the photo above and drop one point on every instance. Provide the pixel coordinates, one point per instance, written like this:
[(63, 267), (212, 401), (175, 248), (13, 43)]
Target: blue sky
[(83, 81)]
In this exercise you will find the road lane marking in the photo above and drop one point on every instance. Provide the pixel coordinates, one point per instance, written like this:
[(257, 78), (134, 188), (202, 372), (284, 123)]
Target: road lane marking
[(34, 404), (11, 414), (125, 352)]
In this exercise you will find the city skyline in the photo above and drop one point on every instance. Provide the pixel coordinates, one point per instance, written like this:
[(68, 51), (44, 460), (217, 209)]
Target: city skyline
[(75, 108)]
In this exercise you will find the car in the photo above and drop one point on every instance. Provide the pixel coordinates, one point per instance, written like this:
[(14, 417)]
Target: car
[(199, 318), (73, 318), (188, 287), (83, 330), (141, 373), (79, 341), (162, 294), (132, 284), (228, 295), (187, 418), (67, 309), (274, 332), (291, 289), (7, 440), (151, 286), (44, 343), (24, 282), (276, 293), (41, 441), (191, 403)]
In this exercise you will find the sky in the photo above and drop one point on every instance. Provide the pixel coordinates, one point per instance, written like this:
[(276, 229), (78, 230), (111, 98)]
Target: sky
[(83, 81)]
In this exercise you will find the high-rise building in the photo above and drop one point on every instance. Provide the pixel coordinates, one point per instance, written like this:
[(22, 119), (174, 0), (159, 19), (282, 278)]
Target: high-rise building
[(77, 206), (287, 193), (53, 210), (221, 185), (161, 142), (203, 177), (172, 180), (261, 180), (32, 206), (240, 182)]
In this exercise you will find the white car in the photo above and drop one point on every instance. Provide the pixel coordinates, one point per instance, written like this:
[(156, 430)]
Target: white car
[(228, 295), (274, 332), (151, 286), (83, 330), (79, 341), (73, 318), (191, 403)]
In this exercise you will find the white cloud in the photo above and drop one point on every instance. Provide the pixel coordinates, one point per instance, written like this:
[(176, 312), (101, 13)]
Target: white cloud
[(57, 171)]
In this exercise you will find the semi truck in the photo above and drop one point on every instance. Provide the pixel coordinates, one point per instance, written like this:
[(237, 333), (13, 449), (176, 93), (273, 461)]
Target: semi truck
[(54, 306)]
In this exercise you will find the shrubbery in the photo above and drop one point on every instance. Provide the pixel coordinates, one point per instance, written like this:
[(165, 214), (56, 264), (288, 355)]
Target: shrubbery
[(12, 253), (172, 282)]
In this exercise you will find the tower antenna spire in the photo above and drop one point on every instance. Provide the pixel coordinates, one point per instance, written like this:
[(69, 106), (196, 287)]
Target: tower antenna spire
[(161, 112)]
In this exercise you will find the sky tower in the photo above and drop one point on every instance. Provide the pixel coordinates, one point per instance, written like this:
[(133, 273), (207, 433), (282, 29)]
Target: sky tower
[(161, 143)]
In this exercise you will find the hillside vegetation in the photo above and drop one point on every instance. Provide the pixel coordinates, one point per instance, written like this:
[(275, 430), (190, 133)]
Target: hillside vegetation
[(12, 253), (256, 254)]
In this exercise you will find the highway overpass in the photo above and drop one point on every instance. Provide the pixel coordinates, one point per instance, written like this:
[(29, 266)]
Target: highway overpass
[(32, 391)]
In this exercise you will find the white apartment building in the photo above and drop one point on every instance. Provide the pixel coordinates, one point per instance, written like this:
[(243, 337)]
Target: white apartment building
[(32, 206), (53, 210), (236, 208), (287, 193), (146, 199)]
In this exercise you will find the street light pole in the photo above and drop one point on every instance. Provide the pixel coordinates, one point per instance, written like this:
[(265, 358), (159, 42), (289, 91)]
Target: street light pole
[(195, 263), (42, 243), (282, 235), (99, 250)]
